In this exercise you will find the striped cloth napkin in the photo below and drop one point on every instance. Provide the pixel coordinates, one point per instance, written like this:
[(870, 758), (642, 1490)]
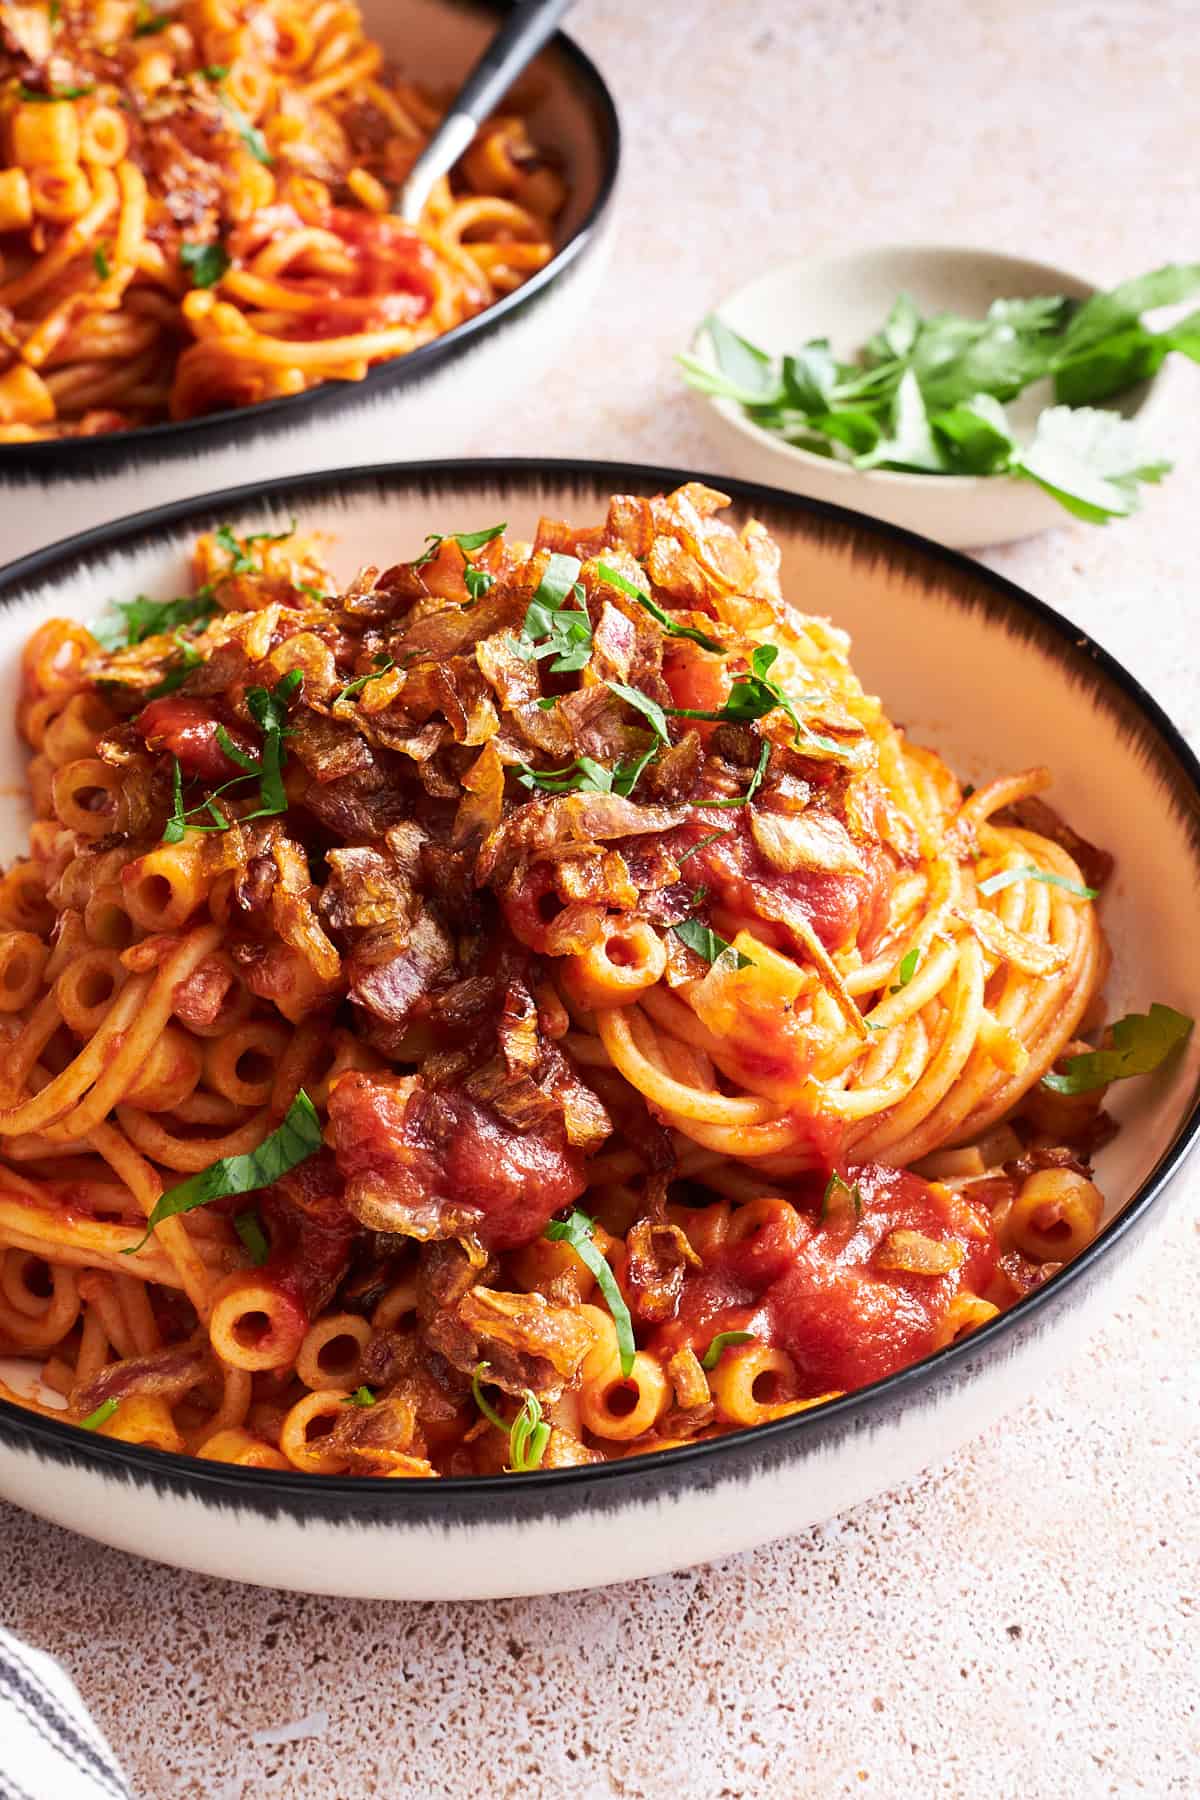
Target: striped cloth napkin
[(49, 1747)]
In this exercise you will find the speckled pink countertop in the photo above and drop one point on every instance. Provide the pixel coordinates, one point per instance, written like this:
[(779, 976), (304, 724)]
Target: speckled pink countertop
[(1020, 1623)]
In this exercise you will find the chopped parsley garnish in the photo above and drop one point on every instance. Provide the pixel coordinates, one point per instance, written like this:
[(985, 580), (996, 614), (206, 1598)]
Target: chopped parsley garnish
[(242, 563), (143, 618), (670, 626), (293, 1142), (466, 541), (250, 135), (753, 696), (712, 1355), (148, 21), (38, 98), (478, 582), (586, 776), (551, 628), (188, 658), (650, 709), (908, 968), (702, 844), (101, 1416), (101, 263), (215, 71), (382, 665), (528, 1435), (248, 1226), (709, 944), (577, 1231), (1141, 1042), (755, 783), (840, 1200), (206, 263), (269, 711), (1027, 872), (362, 1396)]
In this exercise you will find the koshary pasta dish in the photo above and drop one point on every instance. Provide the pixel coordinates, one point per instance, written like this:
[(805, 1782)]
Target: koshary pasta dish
[(528, 1008), (194, 210)]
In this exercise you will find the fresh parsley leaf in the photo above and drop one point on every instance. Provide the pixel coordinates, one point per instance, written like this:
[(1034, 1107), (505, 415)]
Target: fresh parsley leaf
[(550, 627), (583, 776), (248, 1226), (101, 263), (188, 659), (478, 582), (206, 263), (466, 541), (755, 783), (701, 844), (650, 709), (147, 21), (1027, 872), (901, 326), (975, 436), (669, 625), (528, 1436), (909, 964), (577, 1231), (293, 1142), (250, 135), (382, 665), (1090, 461), (712, 1355), (241, 562), (362, 1396), (144, 618), (809, 377), (910, 443), (481, 1400), (1141, 1043), (269, 710), (743, 371), (840, 1200), (1104, 314), (215, 72), (38, 98), (756, 694), (709, 944), (101, 1416)]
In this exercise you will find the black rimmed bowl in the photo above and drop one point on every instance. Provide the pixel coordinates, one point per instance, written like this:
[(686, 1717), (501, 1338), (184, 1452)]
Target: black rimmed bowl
[(971, 664), (427, 402)]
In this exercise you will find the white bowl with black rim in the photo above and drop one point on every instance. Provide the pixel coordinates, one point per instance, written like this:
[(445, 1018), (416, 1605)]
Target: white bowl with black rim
[(426, 403), (972, 664)]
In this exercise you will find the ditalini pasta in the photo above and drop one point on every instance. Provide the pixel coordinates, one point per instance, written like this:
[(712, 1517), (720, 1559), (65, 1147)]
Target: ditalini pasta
[(194, 210), (529, 1007)]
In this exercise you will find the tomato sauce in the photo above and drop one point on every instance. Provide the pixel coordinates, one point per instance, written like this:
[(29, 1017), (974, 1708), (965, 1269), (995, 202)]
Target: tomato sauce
[(818, 1290)]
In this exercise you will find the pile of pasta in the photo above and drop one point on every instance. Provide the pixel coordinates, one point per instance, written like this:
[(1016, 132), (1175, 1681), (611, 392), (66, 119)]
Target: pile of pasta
[(526, 1007), (194, 210)]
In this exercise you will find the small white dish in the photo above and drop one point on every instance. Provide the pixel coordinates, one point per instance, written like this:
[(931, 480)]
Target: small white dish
[(845, 299)]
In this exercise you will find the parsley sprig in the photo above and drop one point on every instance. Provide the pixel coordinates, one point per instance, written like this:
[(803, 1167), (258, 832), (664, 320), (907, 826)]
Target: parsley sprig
[(577, 1231), (238, 549), (528, 1434), (928, 393), (296, 1139), (586, 776), (755, 695), (709, 944), (143, 618), (840, 1202), (1141, 1043), (1027, 872), (720, 1343), (269, 710), (671, 626), (551, 627)]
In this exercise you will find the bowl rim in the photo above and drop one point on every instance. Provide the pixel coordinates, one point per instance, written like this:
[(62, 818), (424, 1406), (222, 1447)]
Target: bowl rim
[(176, 437), (960, 485), (225, 1482)]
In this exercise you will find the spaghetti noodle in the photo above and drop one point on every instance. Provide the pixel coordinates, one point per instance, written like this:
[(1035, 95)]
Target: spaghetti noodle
[(194, 210), (528, 1008)]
